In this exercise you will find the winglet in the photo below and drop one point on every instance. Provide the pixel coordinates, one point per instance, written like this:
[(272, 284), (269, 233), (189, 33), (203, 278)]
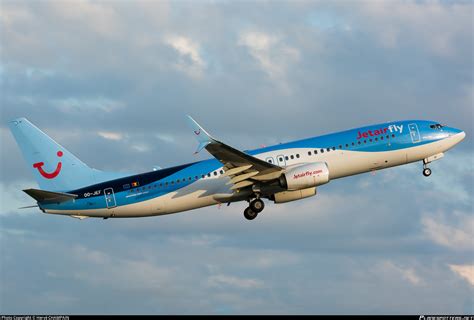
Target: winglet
[(201, 135)]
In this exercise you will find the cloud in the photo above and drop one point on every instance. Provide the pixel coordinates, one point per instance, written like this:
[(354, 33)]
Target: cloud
[(274, 57), (465, 271), (141, 147), (189, 60), (204, 240), (221, 280), (75, 106), (457, 234), (101, 18), (399, 22), (165, 137), (13, 198), (116, 136), (388, 268)]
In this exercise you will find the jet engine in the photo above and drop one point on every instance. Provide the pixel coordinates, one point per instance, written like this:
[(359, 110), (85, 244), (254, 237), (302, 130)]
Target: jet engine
[(305, 176), (287, 196)]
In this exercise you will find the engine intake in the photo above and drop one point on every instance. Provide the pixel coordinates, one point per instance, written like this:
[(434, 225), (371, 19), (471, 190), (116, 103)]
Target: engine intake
[(305, 176)]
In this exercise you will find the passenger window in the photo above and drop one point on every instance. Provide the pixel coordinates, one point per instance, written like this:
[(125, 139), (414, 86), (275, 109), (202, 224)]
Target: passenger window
[(347, 146), (393, 136), (309, 153), (328, 149), (221, 172), (333, 148), (292, 157), (322, 150), (215, 173), (286, 158), (353, 143), (209, 175), (370, 140), (381, 137), (281, 159), (315, 151), (365, 141), (298, 155), (166, 184), (340, 146), (376, 139), (358, 142)]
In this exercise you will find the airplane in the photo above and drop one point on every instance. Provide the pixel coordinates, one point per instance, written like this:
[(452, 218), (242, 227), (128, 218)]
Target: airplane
[(280, 173)]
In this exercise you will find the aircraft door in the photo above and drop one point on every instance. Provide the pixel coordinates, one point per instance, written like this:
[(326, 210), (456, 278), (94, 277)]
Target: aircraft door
[(110, 198), (281, 160), (414, 133)]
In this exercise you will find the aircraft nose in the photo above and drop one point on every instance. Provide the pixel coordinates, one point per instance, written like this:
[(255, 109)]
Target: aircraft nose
[(456, 132), (458, 135)]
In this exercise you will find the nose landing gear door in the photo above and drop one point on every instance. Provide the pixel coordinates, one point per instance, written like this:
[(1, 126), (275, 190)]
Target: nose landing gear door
[(110, 198)]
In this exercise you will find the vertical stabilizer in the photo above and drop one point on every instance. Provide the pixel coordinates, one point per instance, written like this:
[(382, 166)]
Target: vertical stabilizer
[(53, 166)]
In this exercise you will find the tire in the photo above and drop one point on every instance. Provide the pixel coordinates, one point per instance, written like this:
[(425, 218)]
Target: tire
[(257, 205), (426, 172), (249, 214)]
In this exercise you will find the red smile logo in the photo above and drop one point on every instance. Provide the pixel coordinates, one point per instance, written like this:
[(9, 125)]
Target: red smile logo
[(48, 175)]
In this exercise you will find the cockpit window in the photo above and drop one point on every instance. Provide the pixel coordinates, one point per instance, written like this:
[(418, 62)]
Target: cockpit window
[(437, 126)]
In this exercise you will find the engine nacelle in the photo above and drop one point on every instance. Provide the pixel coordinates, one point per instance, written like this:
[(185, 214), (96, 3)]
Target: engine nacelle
[(287, 196), (305, 176)]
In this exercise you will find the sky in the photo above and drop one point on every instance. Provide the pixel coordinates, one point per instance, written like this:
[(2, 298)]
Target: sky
[(112, 81)]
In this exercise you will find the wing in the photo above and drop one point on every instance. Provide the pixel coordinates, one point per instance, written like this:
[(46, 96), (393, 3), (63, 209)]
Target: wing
[(243, 169)]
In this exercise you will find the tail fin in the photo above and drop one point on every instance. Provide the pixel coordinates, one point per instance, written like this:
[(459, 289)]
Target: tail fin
[(54, 167)]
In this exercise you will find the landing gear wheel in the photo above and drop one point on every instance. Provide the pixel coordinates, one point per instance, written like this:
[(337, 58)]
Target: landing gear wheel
[(257, 205), (426, 172), (249, 214)]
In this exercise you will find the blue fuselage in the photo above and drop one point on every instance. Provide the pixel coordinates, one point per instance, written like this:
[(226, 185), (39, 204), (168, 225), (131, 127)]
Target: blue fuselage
[(346, 153)]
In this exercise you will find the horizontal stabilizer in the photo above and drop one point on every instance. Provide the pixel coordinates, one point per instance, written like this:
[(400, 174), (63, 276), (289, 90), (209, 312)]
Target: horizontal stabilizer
[(44, 196), (28, 207)]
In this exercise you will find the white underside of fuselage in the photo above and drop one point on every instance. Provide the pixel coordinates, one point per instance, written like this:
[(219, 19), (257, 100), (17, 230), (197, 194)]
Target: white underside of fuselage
[(206, 192)]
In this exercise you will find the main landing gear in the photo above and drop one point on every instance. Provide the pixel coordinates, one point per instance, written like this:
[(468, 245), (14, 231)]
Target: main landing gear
[(254, 208)]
